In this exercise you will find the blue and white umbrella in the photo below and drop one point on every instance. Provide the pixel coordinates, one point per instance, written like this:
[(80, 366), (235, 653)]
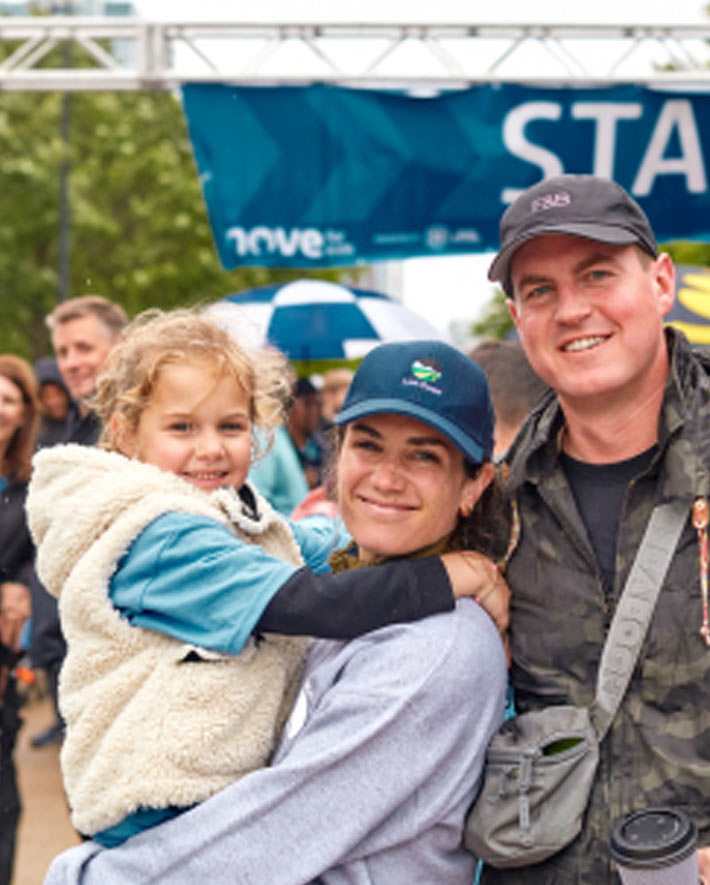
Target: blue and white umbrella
[(317, 320)]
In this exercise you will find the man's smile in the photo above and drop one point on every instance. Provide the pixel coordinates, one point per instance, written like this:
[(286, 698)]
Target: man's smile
[(585, 343)]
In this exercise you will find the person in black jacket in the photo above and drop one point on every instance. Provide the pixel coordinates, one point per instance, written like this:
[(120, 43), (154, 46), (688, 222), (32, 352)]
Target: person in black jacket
[(19, 415), (84, 331), (55, 403)]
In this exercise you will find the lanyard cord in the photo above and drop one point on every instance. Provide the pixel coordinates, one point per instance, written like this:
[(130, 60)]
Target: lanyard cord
[(700, 523)]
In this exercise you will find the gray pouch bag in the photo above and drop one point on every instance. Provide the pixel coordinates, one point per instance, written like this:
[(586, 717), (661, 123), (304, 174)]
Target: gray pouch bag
[(538, 774), (540, 767)]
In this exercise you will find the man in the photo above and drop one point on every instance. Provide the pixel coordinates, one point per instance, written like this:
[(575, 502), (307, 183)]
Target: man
[(515, 388), (335, 385), (302, 422), (55, 399), (321, 500), (625, 427), (84, 331)]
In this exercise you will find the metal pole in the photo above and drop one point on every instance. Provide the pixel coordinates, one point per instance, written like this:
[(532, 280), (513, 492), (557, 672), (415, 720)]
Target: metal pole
[(63, 242), (63, 255)]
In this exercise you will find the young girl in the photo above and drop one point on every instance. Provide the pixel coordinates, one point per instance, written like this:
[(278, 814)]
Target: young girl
[(159, 529)]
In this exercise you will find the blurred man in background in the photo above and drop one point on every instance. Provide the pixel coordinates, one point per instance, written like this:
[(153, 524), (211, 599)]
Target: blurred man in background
[(515, 388), (84, 331)]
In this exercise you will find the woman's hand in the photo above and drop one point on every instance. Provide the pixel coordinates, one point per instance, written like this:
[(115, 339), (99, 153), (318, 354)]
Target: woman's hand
[(472, 574), (14, 611), (704, 861)]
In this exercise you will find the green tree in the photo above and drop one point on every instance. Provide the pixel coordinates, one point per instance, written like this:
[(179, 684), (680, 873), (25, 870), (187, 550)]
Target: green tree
[(139, 231), (496, 321), (686, 252)]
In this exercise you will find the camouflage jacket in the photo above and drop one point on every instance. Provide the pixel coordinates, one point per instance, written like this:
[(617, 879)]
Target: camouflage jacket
[(657, 750)]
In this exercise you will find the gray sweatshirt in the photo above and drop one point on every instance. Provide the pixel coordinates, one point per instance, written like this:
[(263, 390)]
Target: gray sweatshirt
[(378, 763)]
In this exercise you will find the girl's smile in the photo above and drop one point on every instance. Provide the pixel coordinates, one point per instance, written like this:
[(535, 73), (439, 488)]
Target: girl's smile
[(197, 426), (400, 485)]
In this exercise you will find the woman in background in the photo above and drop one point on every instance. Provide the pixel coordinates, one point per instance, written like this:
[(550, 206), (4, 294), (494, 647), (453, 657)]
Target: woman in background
[(19, 416)]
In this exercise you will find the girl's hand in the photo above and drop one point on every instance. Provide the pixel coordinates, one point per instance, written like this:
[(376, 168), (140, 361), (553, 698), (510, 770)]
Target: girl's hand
[(472, 574)]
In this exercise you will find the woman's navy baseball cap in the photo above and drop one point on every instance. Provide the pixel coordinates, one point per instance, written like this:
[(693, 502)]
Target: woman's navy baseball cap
[(432, 382)]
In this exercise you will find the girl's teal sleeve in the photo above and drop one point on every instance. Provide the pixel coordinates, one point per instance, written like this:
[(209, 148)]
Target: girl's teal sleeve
[(190, 578)]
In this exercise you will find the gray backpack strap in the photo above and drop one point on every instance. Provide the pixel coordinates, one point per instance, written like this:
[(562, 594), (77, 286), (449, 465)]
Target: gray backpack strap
[(636, 605)]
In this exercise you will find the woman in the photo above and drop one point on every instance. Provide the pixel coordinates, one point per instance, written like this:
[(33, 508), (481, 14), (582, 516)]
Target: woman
[(383, 751), (19, 417)]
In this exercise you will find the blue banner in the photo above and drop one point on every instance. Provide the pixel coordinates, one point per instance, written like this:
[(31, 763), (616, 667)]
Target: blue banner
[(324, 175)]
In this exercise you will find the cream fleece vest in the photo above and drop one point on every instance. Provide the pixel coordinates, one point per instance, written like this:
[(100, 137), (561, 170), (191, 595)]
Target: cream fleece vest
[(146, 727)]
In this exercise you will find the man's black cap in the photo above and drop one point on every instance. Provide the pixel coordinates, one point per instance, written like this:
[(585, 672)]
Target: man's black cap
[(580, 205)]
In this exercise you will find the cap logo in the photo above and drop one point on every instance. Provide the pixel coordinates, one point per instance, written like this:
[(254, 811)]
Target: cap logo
[(427, 373), (426, 369), (551, 201)]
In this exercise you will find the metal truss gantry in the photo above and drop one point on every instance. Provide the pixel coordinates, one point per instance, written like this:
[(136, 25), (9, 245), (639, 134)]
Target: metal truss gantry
[(132, 54)]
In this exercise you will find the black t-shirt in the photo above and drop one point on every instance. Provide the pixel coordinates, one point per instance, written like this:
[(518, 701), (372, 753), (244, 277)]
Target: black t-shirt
[(598, 491)]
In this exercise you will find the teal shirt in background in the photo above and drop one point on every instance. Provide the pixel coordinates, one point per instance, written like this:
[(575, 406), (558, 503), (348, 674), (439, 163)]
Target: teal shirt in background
[(279, 475)]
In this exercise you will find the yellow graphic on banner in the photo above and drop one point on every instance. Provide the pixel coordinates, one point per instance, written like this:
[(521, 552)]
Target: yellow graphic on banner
[(696, 299)]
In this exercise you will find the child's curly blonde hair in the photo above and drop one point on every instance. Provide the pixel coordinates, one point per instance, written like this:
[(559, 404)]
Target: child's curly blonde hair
[(158, 338)]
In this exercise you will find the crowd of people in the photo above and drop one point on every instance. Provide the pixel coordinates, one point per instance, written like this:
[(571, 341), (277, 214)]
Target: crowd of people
[(281, 618)]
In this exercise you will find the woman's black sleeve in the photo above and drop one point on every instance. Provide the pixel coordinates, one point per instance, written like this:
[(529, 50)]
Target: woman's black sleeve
[(353, 602)]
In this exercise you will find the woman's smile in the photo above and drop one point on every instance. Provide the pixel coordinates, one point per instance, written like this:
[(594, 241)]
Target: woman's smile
[(400, 485), (385, 507)]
